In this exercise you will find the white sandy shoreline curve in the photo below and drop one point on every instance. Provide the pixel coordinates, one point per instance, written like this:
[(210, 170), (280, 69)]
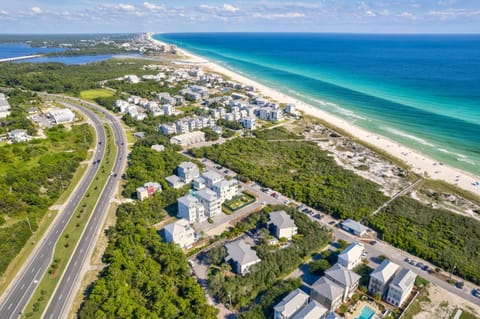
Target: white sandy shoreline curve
[(419, 163)]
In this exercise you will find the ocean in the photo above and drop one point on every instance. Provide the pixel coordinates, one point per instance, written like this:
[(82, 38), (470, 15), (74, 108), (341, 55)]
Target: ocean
[(422, 91), (11, 50)]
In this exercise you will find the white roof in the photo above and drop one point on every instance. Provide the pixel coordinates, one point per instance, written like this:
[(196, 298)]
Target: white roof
[(207, 194), (291, 303), (385, 271), (188, 200), (313, 310), (187, 165), (404, 279), (352, 252), (178, 226), (327, 288), (211, 175)]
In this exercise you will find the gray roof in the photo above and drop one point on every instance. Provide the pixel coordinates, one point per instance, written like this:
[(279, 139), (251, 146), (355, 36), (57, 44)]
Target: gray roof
[(313, 310), (174, 180), (384, 271), (207, 194), (327, 288), (353, 251), (211, 175), (404, 279), (281, 219), (240, 252), (292, 303), (342, 275), (188, 200), (355, 226), (187, 165)]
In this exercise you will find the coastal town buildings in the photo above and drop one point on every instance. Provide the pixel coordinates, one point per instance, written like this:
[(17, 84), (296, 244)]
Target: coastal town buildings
[(354, 227), (327, 293), (61, 116), (187, 171), (4, 106), (188, 138), (18, 136), (344, 278)]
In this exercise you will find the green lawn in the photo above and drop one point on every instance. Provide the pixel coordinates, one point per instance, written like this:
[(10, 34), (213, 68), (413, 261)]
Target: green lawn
[(238, 202), (96, 93)]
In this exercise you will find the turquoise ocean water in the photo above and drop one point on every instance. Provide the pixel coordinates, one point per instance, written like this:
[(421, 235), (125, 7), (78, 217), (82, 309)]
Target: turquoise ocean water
[(420, 90)]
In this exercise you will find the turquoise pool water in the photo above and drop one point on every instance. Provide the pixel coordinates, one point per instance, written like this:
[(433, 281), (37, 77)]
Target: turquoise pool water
[(366, 313)]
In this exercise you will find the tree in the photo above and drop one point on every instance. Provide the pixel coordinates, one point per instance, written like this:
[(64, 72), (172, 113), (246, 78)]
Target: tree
[(318, 267)]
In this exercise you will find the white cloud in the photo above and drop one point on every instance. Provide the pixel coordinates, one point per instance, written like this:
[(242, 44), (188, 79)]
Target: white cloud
[(453, 13), (126, 7), (153, 6), (36, 10), (230, 8), (406, 15), (370, 13), (3, 12), (287, 15)]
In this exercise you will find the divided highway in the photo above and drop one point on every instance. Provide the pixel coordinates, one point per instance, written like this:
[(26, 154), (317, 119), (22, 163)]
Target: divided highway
[(22, 288), (20, 291), (65, 292)]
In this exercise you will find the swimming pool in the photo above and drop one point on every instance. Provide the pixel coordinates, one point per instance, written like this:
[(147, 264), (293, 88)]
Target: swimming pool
[(366, 313)]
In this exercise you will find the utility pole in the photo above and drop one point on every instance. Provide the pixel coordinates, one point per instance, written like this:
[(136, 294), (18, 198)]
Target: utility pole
[(451, 273), (29, 226)]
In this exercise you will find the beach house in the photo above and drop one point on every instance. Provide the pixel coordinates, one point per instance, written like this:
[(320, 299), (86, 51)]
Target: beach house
[(314, 310), (191, 209), (210, 200), (180, 232), (291, 304), (401, 287), (148, 190), (354, 227), (327, 293), (241, 256), (187, 171), (351, 257), (345, 278), (226, 189), (381, 277), (282, 225)]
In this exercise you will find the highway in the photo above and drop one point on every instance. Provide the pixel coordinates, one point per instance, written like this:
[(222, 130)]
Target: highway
[(65, 292), (18, 294)]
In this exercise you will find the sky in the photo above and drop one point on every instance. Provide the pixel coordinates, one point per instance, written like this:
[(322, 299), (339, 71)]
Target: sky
[(351, 16)]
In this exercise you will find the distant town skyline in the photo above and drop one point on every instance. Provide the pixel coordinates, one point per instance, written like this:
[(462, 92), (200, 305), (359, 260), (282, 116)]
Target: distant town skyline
[(369, 16)]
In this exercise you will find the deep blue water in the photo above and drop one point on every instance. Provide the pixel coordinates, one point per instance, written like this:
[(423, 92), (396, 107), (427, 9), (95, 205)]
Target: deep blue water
[(420, 90), (10, 50)]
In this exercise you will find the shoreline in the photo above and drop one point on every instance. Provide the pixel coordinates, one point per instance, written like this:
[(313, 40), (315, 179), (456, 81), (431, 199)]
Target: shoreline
[(419, 163)]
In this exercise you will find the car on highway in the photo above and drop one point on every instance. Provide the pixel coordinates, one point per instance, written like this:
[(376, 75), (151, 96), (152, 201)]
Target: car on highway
[(332, 222), (459, 284), (318, 216), (373, 242), (476, 292), (286, 202)]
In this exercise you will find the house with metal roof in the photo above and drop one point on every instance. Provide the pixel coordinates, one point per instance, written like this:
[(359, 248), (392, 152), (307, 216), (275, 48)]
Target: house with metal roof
[(381, 277), (354, 227), (345, 278), (291, 304), (401, 287), (211, 178), (313, 310), (241, 256), (282, 224), (187, 171), (180, 232), (211, 202), (327, 293), (351, 256)]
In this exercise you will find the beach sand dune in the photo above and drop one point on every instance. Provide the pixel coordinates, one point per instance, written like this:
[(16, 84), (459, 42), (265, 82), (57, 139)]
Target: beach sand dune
[(419, 163)]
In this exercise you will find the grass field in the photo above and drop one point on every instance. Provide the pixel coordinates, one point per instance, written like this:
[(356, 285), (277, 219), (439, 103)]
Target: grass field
[(95, 93), (238, 202), (67, 242)]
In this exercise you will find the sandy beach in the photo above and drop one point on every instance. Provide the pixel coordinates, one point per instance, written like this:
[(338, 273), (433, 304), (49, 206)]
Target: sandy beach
[(419, 163)]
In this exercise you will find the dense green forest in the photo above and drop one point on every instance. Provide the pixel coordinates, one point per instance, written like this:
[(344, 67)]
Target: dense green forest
[(145, 277), (276, 263), (300, 170), (437, 235), (32, 176), (61, 78)]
